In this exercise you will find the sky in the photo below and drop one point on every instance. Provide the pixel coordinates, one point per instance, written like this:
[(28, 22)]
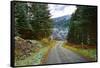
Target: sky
[(61, 10)]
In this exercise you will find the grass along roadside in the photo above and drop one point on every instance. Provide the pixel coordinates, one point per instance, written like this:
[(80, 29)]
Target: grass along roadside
[(89, 54), (38, 57), (45, 57), (34, 59)]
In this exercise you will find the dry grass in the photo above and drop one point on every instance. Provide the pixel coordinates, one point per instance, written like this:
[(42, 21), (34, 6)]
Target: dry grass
[(88, 53), (50, 44)]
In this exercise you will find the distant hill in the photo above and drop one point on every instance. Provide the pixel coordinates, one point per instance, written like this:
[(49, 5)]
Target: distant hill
[(60, 24)]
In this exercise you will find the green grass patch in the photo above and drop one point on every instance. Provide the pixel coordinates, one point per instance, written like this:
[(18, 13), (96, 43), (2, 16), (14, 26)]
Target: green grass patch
[(38, 57), (90, 54)]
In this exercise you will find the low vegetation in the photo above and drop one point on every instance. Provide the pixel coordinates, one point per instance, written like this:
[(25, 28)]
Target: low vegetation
[(29, 52), (33, 59), (87, 52)]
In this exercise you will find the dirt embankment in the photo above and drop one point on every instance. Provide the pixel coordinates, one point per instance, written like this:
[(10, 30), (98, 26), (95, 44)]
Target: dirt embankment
[(24, 48)]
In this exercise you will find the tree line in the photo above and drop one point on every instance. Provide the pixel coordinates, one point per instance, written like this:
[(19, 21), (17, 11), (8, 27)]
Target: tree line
[(83, 26), (32, 20)]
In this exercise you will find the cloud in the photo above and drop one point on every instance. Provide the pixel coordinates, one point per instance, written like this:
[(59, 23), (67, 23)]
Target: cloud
[(61, 10)]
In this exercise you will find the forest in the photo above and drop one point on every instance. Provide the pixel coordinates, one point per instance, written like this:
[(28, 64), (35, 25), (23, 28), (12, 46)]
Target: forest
[(32, 21), (35, 39), (83, 26)]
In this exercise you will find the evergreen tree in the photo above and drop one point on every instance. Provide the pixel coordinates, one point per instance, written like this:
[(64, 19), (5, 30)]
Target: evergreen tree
[(32, 20), (82, 28), (41, 21), (22, 27)]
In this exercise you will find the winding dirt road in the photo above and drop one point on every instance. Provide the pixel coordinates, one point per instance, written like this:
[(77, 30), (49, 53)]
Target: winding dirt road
[(58, 54)]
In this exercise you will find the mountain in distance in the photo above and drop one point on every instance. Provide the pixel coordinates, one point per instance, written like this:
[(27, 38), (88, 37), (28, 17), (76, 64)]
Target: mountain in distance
[(60, 24), (65, 17)]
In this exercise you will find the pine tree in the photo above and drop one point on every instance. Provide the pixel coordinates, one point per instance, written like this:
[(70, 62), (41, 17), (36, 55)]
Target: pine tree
[(41, 21), (83, 25), (21, 22), (32, 20)]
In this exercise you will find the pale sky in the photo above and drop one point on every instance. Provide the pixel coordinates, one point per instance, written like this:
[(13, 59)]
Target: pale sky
[(61, 10)]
